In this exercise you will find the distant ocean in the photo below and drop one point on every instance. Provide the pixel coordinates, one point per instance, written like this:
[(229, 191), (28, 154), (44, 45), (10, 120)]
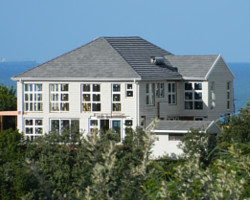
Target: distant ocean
[(240, 70)]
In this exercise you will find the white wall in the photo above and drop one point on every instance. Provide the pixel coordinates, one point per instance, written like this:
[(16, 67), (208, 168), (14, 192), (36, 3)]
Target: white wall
[(163, 146), (75, 98)]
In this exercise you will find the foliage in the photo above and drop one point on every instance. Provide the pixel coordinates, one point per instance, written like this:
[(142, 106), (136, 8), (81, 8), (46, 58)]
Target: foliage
[(7, 98), (238, 128), (74, 165), (198, 142)]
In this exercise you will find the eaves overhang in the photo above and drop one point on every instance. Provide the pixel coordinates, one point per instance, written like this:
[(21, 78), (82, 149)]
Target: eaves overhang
[(74, 79)]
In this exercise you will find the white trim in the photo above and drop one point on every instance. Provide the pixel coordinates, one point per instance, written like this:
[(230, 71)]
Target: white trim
[(82, 79)]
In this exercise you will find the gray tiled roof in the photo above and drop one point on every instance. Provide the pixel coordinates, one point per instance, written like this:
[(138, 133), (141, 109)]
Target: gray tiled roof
[(104, 58), (181, 125), (196, 66)]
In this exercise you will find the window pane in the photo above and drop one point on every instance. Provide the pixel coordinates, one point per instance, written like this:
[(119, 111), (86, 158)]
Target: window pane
[(93, 122), (173, 87), (29, 130), (96, 97), (55, 125), (38, 87), (65, 106), (86, 88), (64, 87), (54, 87), (116, 97), (54, 106), (189, 105), (116, 87), (38, 97), (54, 97), (116, 107), (188, 86), (86, 97), (96, 88), (169, 99), (86, 107), (129, 93), (28, 122), (96, 107), (198, 95), (198, 86), (64, 97), (198, 105), (128, 122), (116, 125), (188, 95), (38, 130), (39, 122), (64, 124), (129, 86), (173, 99)]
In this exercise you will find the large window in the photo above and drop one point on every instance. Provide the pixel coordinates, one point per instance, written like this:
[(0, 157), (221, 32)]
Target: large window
[(116, 97), (59, 97), (91, 97), (33, 97), (60, 125), (33, 128), (172, 93), (150, 90), (159, 91), (193, 96)]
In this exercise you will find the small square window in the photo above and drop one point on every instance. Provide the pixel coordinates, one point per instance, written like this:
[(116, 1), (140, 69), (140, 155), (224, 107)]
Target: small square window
[(128, 122), (129, 93), (129, 86), (116, 87)]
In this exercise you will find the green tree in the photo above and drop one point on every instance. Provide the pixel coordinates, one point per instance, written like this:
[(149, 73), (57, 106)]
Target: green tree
[(198, 142), (238, 128), (7, 98)]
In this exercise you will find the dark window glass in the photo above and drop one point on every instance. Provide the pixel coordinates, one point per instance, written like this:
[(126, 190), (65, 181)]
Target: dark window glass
[(198, 105), (198, 86), (188, 86)]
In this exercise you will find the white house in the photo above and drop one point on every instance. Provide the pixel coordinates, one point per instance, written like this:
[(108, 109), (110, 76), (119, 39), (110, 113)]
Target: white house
[(119, 82)]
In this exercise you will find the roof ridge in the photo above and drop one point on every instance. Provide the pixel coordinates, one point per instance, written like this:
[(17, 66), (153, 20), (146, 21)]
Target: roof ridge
[(121, 55)]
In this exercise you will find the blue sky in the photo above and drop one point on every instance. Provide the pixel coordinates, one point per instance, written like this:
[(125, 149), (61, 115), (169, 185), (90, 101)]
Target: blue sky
[(41, 30)]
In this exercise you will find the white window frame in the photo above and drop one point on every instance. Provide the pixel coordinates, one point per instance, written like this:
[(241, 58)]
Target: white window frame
[(94, 126), (172, 93), (116, 104), (33, 97), (33, 127), (129, 90), (150, 94), (194, 90), (88, 105), (60, 128), (59, 104), (159, 90)]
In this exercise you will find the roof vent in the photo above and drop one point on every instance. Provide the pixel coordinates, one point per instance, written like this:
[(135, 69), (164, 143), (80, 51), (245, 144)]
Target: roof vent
[(157, 60)]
